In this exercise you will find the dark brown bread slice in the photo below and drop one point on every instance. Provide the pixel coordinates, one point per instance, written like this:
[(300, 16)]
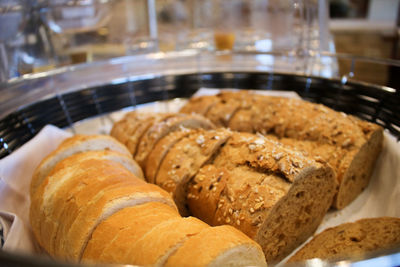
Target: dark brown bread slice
[(160, 150), (352, 240), (159, 130), (275, 195), (358, 142), (185, 159)]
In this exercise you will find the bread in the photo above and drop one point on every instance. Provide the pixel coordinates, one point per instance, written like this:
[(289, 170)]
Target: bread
[(185, 158), (92, 208), (170, 124), (248, 181), (217, 246), (77, 144), (358, 142), (274, 195), (350, 241)]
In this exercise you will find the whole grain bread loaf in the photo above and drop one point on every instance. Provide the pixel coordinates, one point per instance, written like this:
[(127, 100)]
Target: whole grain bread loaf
[(91, 207), (351, 241), (349, 144)]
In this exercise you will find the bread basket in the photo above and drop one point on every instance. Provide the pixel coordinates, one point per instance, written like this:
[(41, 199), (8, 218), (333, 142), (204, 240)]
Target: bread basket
[(69, 95)]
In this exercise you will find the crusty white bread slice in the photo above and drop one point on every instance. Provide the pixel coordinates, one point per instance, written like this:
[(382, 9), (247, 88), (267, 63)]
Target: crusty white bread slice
[(352, 241), (218, 246), (161, 129), (274, 195), (73, 145), (160, 150), (112, 238), (49, 201), (104, 205), (154, 248), (184, 160)]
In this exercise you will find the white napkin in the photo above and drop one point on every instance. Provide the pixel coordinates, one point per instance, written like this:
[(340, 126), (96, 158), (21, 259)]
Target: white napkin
[(15, 175)]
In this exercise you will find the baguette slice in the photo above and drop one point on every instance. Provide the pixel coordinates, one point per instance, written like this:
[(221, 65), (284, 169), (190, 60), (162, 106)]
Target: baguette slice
[(161, 129), (184, 160), (103, 205), (159, 152), (112, 238), (352, 240), (159, 243), (70, 146), (49, 202), (218, 246)]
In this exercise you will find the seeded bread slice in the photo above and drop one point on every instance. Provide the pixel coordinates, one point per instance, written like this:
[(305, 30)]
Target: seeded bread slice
[(275, 195), (70, 146), (200, 105), (204, 191), (218, 246), (145, 121), (123, 129), (159, 130), (159, 243), (160, 150), (184, 160), (352, 240), (112, 238), (358, 142)]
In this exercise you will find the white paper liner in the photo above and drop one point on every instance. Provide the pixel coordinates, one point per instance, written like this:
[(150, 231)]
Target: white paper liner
[(380, 198)]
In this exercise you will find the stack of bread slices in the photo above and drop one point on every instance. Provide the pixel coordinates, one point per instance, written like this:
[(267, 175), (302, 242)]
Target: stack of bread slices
[(91, 204)]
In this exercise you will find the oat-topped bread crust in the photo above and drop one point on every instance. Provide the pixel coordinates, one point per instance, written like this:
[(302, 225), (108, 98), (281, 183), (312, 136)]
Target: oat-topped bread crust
[(354, 142), (184, 160), (71, 146), (145, 122), (265, 190), (160, 150), (352, 240), (159, 130)]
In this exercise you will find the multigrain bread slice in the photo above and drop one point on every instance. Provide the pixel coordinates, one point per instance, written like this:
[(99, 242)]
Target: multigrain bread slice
[(352, 240), (145, 122), (218, 246), (184, 160), (160, 150), (159, 130), (275, 195), (296, 119), (156, 246), (74, 145), (112, 238)]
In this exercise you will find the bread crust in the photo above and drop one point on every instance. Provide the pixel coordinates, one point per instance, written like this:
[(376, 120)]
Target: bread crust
[(351, 241), (70, 146), (349, 144)]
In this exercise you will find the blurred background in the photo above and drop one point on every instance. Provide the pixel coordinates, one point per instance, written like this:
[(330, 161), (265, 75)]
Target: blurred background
[(37, 36)]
